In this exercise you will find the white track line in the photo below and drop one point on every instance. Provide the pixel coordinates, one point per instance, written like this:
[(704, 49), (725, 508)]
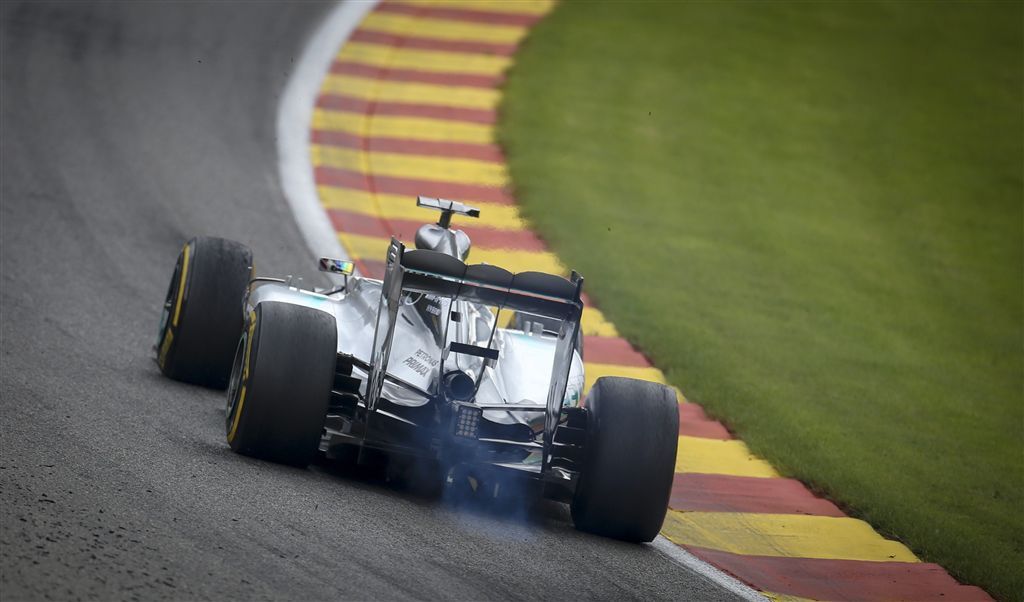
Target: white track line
[(294, 117), (696, 565)]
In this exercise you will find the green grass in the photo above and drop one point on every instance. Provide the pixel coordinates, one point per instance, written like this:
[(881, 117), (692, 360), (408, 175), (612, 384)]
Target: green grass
[(810, 216)]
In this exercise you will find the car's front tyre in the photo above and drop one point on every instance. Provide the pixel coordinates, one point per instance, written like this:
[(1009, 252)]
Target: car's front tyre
[(281, 383)]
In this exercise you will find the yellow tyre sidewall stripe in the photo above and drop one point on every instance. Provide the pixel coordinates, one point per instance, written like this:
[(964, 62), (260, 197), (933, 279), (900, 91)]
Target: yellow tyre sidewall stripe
[(174, 316), (181, 285), (165, 347), (244, 380)]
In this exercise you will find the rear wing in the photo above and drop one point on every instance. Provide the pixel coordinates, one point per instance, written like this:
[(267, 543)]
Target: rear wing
[(430, 272), (533, 292)]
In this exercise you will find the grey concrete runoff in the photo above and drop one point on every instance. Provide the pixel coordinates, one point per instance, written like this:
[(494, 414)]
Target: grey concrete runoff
[(126, 128)]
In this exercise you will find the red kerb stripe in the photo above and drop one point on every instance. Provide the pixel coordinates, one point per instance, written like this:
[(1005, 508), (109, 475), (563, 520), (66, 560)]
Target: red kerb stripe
[(724, 493), (331, 138), (695, 423), (458, 14), (612, 350), (414, 75), (332, 176), (375, 37), (372, 268), (858, 580), (453, 149), (480, 152), (484, 238), (342, 178), (358, 223), (337, 102)]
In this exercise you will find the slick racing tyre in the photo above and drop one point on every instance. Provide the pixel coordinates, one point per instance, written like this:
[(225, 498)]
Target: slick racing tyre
[(281, 383), (632, 434), (203, 313)]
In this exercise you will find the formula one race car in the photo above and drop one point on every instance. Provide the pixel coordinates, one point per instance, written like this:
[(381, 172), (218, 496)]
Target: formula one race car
[(419, 369)]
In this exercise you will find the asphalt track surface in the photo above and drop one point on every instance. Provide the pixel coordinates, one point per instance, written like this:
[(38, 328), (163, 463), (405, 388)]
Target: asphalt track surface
[(126, 129)]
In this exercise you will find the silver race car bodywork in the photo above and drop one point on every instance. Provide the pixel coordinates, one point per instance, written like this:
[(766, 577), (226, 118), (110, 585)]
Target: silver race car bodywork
[(466, 373), (521, 377), (434, 318)]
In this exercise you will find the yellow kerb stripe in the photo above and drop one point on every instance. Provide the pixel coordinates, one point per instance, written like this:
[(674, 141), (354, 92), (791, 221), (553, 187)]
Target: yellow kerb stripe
[(786, 535), (519, 261), (526, 7), (595, 324), (415, 93), (442, 29), (374, 248), (340, 121), (411, 128), (785, 597), (595, 371), (419, 167), (393, 206), (714, 456), (391, 57)]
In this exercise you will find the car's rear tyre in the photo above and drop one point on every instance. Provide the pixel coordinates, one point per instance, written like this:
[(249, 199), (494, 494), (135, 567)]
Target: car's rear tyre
[(203, 313), (281, 383), (632, 435)]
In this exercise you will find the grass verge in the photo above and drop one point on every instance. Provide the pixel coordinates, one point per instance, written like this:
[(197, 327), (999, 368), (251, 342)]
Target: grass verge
[(810, 216)]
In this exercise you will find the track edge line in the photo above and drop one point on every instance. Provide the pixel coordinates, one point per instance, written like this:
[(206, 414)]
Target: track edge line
[(294, 121), (706, 570)]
